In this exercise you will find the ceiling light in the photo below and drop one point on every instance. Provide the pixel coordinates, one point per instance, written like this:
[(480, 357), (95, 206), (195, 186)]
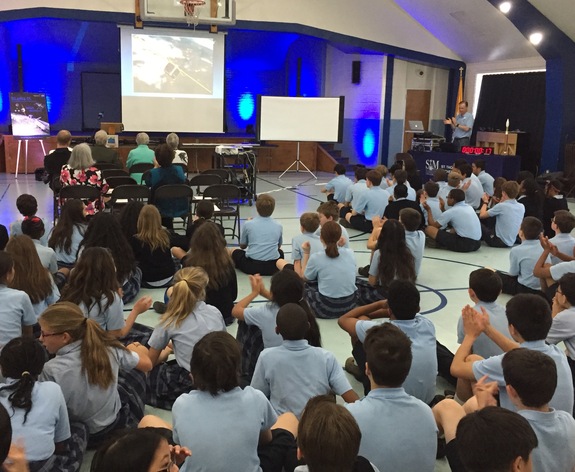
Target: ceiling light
[(535, 38), (505, 7)]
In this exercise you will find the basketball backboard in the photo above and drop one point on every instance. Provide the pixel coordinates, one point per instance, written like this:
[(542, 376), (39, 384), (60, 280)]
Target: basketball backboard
[(214, 12)]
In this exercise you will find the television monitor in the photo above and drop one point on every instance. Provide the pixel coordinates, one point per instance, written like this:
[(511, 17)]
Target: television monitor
[(29, 114)]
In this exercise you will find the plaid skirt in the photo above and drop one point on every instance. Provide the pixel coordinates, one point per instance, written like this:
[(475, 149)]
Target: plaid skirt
[(330, 308), (131, 287), (165, 383), (71, 459), (132, 390), (252, 343)]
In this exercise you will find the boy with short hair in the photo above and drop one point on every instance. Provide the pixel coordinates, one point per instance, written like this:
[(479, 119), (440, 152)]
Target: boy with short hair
[(371, 203), (328, 439), (414, 237), (484, 288), (399, 178), (400, 201), (531, 379), (401, 307), (554, 200), (328, 211), (522, 260), (453, 182), (529, 318), (562, 223), (478, 169), (290, 374), (502, 222), (354, 191), (262, 236), (309, 225), (398, 431), (430, 191), (470, 184), (336, 188)]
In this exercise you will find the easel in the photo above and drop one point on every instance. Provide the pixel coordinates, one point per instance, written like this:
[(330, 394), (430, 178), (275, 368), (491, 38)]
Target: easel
[(26, 140), (297, 163)]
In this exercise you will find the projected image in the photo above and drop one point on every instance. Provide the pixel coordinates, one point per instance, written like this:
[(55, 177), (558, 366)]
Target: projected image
[(172, 65), (29, 114)]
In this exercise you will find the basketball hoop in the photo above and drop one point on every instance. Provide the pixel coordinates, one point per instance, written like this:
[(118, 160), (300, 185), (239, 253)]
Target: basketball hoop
[(192, 9)]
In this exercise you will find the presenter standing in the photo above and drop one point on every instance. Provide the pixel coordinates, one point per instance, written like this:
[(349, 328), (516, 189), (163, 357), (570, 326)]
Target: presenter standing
[(462, 125)]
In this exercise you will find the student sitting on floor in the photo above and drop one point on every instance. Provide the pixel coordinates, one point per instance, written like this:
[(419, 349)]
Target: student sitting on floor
[(187, 320), (400, 178), (328, 439), (484, 288), (336, 188), (257, 323), (93, 287), (204, 212), (262, 236), (290, 374), (452, 181), (414, 238), (34, 227), (470, 184), (93, 370), (522, 260), (309, 225), (391, 258), (554, 200), (501, 223), (370, 204), (68, 233), (334, 271), (531, 379), (38, 410), (17, 316), (400, 201), (529, 318), (562, 223), (328, 211), (491, 439), (392, 421), (27, 205), (353, 191), (227, 428), (478, 169), (401, 307), (430, 195), (563, 312), (465, 232), (549, 274)]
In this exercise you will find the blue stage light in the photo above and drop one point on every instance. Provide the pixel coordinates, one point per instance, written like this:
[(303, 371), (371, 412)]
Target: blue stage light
[(246, 106)]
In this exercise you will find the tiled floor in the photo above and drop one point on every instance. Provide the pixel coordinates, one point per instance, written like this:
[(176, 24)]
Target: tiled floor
[(442, 281)]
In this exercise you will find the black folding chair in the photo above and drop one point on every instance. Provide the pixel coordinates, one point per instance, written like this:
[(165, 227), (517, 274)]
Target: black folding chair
[(170, 192), (116, 181), (227, 197), (107, 173), (223, 173), (123, 194), (140, 169), (81, 192), (204, 180), (107, 165)]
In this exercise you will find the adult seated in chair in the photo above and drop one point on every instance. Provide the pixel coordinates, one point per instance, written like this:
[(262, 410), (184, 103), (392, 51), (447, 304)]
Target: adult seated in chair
[(55, 159), (140, 155), (166, 174), (100, 153)]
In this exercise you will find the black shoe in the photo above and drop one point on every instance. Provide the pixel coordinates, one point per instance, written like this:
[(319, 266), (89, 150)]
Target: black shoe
[(229, 321), (159, 307), (364, 271)]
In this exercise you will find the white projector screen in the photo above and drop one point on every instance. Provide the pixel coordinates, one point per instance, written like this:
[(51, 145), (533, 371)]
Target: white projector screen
[(172, 80), (300, 119)]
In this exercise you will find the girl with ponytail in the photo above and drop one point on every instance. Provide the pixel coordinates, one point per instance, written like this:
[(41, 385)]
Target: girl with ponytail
[(37, 410), (92, 368), (333, 291), (187, 319)]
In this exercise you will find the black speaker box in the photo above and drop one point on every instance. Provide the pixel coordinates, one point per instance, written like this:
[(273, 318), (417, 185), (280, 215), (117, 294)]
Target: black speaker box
[(356, 72)]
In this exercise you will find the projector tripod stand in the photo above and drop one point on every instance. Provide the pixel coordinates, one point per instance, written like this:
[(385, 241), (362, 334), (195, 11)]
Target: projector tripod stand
[(297, 163)]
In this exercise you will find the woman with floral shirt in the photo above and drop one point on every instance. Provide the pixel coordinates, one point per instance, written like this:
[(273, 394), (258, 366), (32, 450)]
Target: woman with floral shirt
[(80, 170)]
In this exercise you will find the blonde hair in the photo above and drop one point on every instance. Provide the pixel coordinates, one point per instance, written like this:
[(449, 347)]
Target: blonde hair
[(66, 317), (189, 288), (150, 229)]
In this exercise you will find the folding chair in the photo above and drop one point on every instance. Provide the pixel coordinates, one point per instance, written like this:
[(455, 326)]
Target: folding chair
[(107, 173), (140, 169), (107, 165), (227, 197), (171, 195), (123, 194), (223, 173), (116, 181), (81, 192)]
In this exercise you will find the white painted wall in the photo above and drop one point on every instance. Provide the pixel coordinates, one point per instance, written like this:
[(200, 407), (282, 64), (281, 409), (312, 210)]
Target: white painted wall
[(381, 21)]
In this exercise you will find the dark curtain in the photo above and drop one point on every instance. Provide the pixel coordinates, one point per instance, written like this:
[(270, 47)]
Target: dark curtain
[(521, 98)]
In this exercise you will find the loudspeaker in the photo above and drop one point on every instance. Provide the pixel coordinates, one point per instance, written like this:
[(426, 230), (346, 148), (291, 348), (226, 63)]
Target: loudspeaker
[(356, 72)]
